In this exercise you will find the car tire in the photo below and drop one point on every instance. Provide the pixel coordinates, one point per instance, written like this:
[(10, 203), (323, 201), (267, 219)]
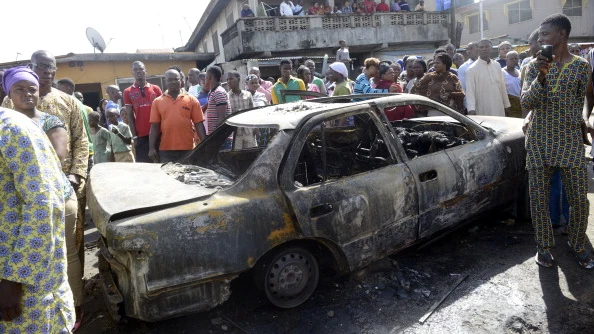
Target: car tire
[(290, 277)]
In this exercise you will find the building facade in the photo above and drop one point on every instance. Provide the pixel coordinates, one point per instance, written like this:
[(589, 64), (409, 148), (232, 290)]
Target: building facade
[(514, 20), (93, 72), (223, 32)]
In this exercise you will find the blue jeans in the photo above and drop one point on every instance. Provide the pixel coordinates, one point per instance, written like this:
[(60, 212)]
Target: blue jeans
[(558, 203)]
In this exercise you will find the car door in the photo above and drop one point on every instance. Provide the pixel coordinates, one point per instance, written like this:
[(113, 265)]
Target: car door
[(345, 184), (452, 182), (439, 184)]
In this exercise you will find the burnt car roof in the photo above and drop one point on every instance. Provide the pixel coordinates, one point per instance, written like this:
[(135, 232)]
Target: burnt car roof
[(282, 116), (287, 116)]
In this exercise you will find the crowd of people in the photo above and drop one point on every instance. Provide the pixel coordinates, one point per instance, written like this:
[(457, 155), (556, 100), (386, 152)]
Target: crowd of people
[(49, 141), (297, 8)]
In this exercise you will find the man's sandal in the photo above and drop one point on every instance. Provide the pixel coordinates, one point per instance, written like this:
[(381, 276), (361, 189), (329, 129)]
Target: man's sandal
[(584, 258), (544, 259)]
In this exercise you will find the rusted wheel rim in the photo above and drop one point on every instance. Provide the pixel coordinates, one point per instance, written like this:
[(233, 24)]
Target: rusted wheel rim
[(291, 278)]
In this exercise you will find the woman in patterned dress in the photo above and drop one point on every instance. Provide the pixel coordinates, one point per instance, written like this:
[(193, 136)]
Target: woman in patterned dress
[(441, 85), (22, 86), (34, 293)]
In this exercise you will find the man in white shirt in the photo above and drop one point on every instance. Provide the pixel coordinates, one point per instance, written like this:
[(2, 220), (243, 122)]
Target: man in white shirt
[(194, 82), (485, 87), (420, 7), (286, 8), (472, 53)]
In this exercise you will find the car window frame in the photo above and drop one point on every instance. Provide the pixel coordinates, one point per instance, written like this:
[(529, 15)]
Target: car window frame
[(289, 164)]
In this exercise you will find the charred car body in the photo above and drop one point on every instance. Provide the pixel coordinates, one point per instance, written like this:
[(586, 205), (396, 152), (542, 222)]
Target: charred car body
[(334, 185)]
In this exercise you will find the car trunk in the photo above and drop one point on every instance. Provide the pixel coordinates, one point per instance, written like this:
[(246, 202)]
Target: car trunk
[(119, 190)]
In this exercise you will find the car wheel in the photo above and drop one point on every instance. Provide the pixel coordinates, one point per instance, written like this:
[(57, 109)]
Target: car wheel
[(291, 277)]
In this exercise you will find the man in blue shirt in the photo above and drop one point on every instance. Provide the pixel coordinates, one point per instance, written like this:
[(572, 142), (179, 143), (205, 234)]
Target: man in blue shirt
[(404, 5), (247, 11)]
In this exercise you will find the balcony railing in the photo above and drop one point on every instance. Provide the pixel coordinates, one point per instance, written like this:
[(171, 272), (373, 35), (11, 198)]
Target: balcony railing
[(309, 24), (339, 21)]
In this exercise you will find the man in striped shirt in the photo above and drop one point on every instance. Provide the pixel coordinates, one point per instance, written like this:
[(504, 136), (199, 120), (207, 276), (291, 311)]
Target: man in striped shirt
[(218, 101), (363, 81)]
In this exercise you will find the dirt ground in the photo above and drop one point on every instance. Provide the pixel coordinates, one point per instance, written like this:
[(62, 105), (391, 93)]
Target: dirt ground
[(504, 292)]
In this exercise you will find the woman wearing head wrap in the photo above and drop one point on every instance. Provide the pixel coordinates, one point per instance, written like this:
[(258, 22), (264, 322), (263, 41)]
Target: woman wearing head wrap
[(22, 87), (441, 86)]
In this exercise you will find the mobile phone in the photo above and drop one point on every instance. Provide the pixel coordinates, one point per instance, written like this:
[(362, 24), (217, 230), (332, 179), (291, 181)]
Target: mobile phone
[(547, 52)]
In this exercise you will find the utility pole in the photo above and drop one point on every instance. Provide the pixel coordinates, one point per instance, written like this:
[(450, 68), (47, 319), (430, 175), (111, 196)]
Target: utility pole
[(481, 18), (453, 36)]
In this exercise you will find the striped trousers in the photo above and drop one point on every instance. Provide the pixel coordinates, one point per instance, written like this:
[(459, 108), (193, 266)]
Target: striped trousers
[(575, 181)]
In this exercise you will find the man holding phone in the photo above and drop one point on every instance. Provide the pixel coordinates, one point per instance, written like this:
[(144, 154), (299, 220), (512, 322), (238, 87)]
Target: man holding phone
[(555, 86)]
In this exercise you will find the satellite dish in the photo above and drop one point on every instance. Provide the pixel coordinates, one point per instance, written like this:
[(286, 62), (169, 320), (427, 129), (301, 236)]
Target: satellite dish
[(96, 40)]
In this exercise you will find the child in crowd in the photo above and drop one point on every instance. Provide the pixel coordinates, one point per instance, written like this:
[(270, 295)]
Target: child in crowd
[(121, 137), (101, 139)]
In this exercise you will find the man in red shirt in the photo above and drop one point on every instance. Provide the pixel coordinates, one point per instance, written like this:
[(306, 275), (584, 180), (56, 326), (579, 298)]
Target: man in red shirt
[(382, 7), (174, 117), (369, 6), (138, 99)]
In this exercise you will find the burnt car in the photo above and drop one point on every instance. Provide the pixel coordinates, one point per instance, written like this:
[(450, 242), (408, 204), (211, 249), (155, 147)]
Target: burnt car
[(322, 185)]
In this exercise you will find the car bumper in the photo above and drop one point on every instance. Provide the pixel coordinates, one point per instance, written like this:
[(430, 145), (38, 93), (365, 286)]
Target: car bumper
[(119, 289)]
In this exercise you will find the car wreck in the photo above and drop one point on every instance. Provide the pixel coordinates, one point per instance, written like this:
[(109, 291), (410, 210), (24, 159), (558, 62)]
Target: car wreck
[(334, 185)]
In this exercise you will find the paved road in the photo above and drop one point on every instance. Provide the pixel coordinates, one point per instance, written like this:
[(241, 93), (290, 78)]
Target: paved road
[(505, 292)]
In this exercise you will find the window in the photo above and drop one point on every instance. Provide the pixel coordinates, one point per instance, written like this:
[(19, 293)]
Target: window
[(473, 23), (341, 147), (573, 8), (215, 42), (230, 20), (204, 47), (519, 11), (231, 151)]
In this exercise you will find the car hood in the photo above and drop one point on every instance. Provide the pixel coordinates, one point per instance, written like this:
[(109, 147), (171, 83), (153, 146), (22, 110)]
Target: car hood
[(119, 190)]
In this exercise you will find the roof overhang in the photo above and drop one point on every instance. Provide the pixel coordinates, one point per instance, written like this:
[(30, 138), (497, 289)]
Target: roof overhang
[(206, 21), (126, 57)]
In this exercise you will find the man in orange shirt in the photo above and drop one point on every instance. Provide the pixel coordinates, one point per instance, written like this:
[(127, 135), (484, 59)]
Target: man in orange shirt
[(174, 116)]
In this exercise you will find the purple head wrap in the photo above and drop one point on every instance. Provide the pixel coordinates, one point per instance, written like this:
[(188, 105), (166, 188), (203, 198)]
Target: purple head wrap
[(16, 74)]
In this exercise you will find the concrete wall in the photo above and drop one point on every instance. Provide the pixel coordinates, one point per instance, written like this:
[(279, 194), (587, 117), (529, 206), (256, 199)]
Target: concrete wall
[(234, 7), (497, 16)]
